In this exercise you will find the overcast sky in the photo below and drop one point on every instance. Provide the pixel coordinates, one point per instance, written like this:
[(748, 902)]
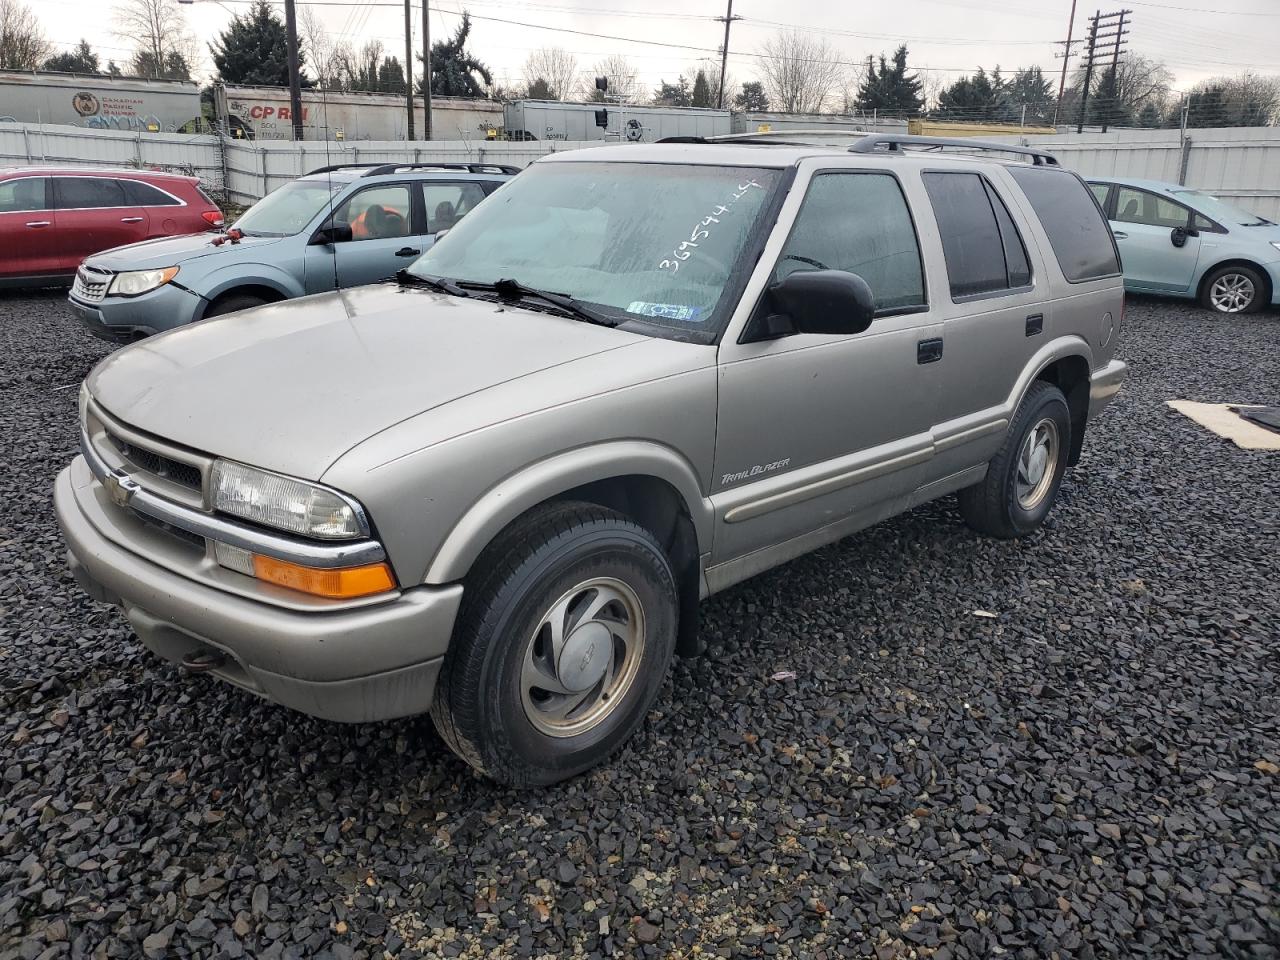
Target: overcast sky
[(947, 38)]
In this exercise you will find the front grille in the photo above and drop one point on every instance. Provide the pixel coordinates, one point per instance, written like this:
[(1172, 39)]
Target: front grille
[(90, 285), (175, 471)]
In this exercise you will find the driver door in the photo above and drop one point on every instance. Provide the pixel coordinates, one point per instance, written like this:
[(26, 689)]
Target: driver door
[(387, 233), (1143, 224), (815, 428)]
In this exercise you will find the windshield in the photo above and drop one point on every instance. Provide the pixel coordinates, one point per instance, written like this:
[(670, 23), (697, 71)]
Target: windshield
[(1211, 206), (285, 211), (646, 242)]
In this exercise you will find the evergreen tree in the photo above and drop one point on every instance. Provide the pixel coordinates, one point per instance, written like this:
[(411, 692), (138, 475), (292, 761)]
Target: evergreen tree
[(977, 99), (80, 60), (1150, 117), (752, 97), (391, 76), (174, 67), (453, 69), (253, 49), (673, 94), (112, 69), (1106, 106), (540, 89), (701, 96), (890, 91), (1029, 88)]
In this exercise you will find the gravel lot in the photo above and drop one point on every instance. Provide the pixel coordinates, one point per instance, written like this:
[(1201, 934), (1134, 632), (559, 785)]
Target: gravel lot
[(1093, 772)]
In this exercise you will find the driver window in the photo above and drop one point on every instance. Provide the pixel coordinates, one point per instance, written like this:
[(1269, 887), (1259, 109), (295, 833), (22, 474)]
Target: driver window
[(378, 213), (1138, 206), (858, 222)]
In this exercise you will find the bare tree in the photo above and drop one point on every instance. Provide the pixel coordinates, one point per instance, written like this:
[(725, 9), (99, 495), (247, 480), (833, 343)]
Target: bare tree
[(22, 42), (624, 81), (800, 72), (557, 66), (160, 33), (320, 49)]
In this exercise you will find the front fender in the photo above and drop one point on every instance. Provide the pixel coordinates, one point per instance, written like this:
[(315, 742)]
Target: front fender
[(247, 275), (507, 500)]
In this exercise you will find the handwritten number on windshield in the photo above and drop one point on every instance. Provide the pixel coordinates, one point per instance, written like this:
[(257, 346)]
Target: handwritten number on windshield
[(701, 230)]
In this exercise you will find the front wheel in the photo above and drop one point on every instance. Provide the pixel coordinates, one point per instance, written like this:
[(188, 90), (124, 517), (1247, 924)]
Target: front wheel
[(1233, 290), (1023, 478), (565, 638)]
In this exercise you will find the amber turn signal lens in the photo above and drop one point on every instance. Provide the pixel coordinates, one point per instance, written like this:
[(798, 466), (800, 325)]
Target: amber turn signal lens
[(342, 583)]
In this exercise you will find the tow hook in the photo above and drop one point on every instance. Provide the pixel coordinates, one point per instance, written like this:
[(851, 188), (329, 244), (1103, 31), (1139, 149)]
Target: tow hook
[(202, 661)]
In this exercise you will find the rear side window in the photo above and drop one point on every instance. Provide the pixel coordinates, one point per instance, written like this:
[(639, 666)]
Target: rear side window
[(1100, 191), (76, 193), (139, 194), (27, 193), (858, 222), (1078, 232), (447, 203), (980, 243)]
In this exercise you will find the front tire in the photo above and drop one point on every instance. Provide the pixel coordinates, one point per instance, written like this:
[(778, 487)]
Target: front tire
[(564, 640), (1023, 478), (233, 304), (1233, 290)]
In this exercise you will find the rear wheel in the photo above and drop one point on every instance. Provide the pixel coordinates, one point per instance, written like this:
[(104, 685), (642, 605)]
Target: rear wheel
[(1233, 290), (1023, 478), (233, 304), (565, 638)]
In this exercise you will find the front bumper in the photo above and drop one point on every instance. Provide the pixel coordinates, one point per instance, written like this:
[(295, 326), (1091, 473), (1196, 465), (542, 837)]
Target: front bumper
[(372, 662), (1104, 384), (120, 319)]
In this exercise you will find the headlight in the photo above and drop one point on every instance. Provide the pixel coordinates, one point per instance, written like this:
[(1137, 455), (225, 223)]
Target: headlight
[(294, 506), (133, 282)]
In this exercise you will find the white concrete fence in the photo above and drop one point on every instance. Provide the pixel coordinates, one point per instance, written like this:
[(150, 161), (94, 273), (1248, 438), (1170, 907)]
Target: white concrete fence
[(1241, 164)]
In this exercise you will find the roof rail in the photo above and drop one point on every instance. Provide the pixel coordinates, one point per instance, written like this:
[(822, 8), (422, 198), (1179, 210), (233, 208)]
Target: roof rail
[(896, 143), (768, 136), (381, 167), (384, 168)]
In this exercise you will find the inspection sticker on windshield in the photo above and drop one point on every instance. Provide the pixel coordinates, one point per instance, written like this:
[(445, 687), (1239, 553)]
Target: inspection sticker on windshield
[(667, 311)]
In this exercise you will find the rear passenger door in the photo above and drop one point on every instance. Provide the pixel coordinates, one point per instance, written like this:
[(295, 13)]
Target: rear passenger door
[(93, 214), (813, 428), (996, 317), (447, 202), (162, 209)]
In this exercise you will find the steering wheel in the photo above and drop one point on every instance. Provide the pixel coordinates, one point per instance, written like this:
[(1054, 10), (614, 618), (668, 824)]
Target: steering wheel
[(809, 260)]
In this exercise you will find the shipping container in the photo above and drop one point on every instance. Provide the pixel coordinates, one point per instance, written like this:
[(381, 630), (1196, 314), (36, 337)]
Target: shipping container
[(556, 120), (959, 128), (263, 113), (98, 101)]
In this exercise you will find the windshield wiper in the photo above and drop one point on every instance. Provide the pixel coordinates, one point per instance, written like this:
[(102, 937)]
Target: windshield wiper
[(404, 277), (509, 289)]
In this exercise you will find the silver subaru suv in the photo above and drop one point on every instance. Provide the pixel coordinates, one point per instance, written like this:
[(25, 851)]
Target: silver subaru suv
[(497, 487)]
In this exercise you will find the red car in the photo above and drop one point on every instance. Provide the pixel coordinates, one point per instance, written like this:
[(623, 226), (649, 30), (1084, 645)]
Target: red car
[(51, 218)]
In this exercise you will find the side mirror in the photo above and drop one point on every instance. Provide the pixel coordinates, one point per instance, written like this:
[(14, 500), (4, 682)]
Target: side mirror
[(336, 232), (1178, 236), (818, 301)]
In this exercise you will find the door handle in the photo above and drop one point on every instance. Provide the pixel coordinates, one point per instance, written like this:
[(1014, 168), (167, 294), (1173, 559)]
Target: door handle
[(929, 351), (1035, 324), (407, 252), (1119, 235), (38, 223), (131, 219)]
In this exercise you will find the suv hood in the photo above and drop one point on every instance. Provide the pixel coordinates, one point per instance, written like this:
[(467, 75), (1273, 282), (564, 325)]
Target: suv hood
[(292, 386), (171, 251)]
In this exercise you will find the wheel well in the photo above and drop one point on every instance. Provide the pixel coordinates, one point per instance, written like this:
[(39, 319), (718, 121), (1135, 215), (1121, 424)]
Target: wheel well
[(1071, 376), (659, 508), (267, 294), (1256, 268)]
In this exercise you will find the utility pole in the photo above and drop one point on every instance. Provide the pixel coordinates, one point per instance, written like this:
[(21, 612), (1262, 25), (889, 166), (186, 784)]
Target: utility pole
[(1101, 21), (408, 69), (728, 19), (1115, 62), (426, 68), (295, 81), (1066, 59)]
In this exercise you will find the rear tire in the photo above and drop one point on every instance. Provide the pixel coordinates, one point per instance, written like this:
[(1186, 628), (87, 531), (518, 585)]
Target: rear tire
[(564, 640), (1023, 477), (1230, 290), (234, 304)]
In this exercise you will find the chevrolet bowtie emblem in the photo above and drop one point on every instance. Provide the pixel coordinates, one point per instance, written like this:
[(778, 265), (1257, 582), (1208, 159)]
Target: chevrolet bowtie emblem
[(119, 488)]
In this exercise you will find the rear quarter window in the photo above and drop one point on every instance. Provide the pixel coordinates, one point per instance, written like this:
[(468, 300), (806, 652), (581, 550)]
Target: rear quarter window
[(1077, 230), (141, 194)]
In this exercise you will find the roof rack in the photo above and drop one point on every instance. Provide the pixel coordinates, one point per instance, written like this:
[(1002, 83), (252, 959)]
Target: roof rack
[(379, 169), (769, 136), (896, 143)]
